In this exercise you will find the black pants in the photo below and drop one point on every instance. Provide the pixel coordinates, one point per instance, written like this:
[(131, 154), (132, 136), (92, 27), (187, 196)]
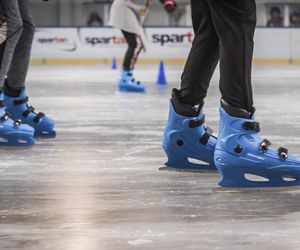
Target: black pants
[(224, 31), (135, 46)]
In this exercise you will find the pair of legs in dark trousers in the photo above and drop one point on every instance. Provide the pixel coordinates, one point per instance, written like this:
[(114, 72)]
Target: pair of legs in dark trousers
[(135, 46), (224, 31)]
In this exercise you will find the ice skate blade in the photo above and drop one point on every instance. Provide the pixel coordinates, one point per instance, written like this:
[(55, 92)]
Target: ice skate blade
[(255, 190), (125, 89), (45, 136), (132, 91), (16, 148), (186, 170)]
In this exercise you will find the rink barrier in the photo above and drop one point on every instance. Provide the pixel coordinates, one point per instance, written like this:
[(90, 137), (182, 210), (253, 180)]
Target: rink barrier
[(82, 45), (170, 61)]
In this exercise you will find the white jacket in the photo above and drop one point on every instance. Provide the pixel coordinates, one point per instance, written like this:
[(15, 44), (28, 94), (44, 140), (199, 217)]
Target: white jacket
[(128, 15)]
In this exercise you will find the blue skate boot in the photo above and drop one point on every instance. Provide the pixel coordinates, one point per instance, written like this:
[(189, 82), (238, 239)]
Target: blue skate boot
[(13, 134), (19, 109), (188, 144), (245, 160), (128, 84)]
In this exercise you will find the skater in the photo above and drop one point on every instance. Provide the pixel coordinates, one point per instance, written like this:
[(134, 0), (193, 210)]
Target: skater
[(224, 32), (128, 16), (19, 124)]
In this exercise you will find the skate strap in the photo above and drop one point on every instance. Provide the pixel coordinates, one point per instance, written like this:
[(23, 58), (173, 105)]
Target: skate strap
[(133, 80), (18, 102), (197, 122), (205, 137), (264, 145), (5, 117), (29, 110), (283, 153), (2, 105), (38, 117), (17, 123), (254, 126)]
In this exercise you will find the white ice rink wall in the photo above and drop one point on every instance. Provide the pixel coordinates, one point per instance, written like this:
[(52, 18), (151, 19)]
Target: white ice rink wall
[(100, 45)]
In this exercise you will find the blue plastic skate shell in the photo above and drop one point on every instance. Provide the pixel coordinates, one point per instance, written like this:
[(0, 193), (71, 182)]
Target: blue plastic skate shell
[(243, 164), (128, 84), (182, 144), (19, 109), (13, 133)]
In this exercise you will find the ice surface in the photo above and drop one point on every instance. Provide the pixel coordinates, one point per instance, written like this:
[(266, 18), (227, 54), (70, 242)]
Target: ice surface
[(97, 186)]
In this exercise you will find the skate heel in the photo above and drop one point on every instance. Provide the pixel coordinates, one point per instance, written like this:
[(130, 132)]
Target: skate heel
[(236, 176), (179, 160), (231, 177), (121, 86)]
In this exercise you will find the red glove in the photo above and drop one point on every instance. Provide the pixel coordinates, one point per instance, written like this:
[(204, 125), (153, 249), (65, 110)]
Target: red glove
[(170, 5)]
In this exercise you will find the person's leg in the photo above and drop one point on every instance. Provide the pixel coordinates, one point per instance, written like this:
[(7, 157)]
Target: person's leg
[(203, 57), (243, 158), (12, 26), (235, 22), (185, 136), (19, 67), (127, 82), (135, 46)]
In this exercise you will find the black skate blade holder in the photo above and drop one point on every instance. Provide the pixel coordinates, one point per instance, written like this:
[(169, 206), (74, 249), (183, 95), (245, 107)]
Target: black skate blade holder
[(255, 189), (187, 170)]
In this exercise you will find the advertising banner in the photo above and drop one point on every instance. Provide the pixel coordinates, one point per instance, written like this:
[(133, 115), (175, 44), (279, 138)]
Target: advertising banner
[(105, 43), (84, 45)]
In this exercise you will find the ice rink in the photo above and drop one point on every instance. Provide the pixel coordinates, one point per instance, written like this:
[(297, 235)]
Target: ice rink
[(97, 185)]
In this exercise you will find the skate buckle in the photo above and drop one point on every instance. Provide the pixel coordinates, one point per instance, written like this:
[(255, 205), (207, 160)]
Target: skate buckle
[(283, 153), (197, 122), (5, 117), (17, 123), (264, 145), (205, 137), (252, 126)]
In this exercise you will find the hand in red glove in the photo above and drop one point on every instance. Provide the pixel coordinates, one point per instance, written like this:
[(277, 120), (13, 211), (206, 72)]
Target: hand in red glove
[(170, 5)]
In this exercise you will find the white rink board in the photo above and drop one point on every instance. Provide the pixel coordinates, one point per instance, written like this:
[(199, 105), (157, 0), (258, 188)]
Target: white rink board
[(160, 43)]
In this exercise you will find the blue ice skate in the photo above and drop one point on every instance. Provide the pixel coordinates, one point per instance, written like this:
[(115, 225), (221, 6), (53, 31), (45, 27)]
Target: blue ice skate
[(247, 161), (188, 144), (13, 133), (19, 109), (128, 84)]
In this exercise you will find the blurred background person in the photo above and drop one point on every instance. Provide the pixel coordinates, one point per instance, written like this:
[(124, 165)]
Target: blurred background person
[(295, 19), (94, 20), (276, 19), (128, 16)]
